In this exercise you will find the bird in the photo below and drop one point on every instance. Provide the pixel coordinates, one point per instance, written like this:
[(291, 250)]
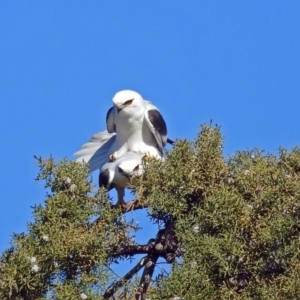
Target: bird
[(119, 173), (138, 124), (133, 124)]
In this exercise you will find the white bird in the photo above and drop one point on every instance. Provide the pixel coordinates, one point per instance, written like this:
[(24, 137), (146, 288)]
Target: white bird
[(138, 125), (119, 173), (133, 124)]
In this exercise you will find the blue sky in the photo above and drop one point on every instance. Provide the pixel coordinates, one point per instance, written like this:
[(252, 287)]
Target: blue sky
[(234, 62)]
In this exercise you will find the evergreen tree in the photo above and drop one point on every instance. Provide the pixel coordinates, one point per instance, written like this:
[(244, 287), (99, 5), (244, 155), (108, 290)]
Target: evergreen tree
[(229, 228)]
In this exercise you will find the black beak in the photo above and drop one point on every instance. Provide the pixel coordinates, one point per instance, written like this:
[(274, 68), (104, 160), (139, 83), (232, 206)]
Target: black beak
[(119, 109)]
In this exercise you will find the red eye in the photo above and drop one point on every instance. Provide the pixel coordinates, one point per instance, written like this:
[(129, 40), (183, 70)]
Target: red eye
[(128, 102), (136, 168)]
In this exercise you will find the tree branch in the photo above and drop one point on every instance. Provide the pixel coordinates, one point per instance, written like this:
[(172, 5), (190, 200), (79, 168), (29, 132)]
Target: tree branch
[(133, 205), (134, 249), (114, 287), (146, 278), (165, 245)]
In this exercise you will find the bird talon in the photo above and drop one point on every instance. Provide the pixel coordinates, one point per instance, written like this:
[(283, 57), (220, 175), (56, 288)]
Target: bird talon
[(148, 158), (131, 204), (121, 202), (112, 157)]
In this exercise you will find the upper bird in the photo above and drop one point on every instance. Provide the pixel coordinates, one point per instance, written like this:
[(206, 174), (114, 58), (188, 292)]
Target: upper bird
[(138, 125), (133, 124)]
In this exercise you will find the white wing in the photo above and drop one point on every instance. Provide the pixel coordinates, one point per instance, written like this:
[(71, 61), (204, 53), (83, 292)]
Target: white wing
[(95, 152)]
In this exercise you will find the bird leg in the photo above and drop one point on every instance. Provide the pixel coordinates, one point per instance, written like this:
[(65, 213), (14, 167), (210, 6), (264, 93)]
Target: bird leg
[(121, 194)]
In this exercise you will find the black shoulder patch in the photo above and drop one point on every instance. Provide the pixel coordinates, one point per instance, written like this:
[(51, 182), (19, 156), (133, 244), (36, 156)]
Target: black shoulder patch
[(109, 112), (157, 121), (104, 178)]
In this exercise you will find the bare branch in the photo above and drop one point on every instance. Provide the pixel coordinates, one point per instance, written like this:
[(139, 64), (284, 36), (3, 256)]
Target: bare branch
[(146, 278), (165, 245), (133, 249), (114, 287), (108, 267)]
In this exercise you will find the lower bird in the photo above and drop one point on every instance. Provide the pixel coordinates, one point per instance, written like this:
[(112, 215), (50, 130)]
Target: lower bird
[(119, 173)]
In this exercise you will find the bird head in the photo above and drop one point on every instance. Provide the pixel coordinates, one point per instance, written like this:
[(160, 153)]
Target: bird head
[(130, 168), (127, 100)]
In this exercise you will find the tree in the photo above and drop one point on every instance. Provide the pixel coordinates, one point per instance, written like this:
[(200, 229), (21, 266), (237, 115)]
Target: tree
[(229, 228)]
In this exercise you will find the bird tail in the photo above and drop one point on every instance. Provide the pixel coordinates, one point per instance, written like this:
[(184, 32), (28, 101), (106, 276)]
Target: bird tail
[(95, 152)]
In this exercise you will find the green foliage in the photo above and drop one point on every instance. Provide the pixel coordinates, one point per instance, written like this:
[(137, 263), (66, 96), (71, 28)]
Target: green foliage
[(236, 223), (237, 219), (64, 251)]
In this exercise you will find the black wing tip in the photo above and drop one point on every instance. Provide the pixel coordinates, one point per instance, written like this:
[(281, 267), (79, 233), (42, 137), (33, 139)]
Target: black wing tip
[(107, 117), (108, 113)]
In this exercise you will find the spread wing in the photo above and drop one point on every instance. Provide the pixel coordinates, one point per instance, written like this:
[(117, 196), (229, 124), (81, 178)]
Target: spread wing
[(157, 125), (95, 152), (110, 120)]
